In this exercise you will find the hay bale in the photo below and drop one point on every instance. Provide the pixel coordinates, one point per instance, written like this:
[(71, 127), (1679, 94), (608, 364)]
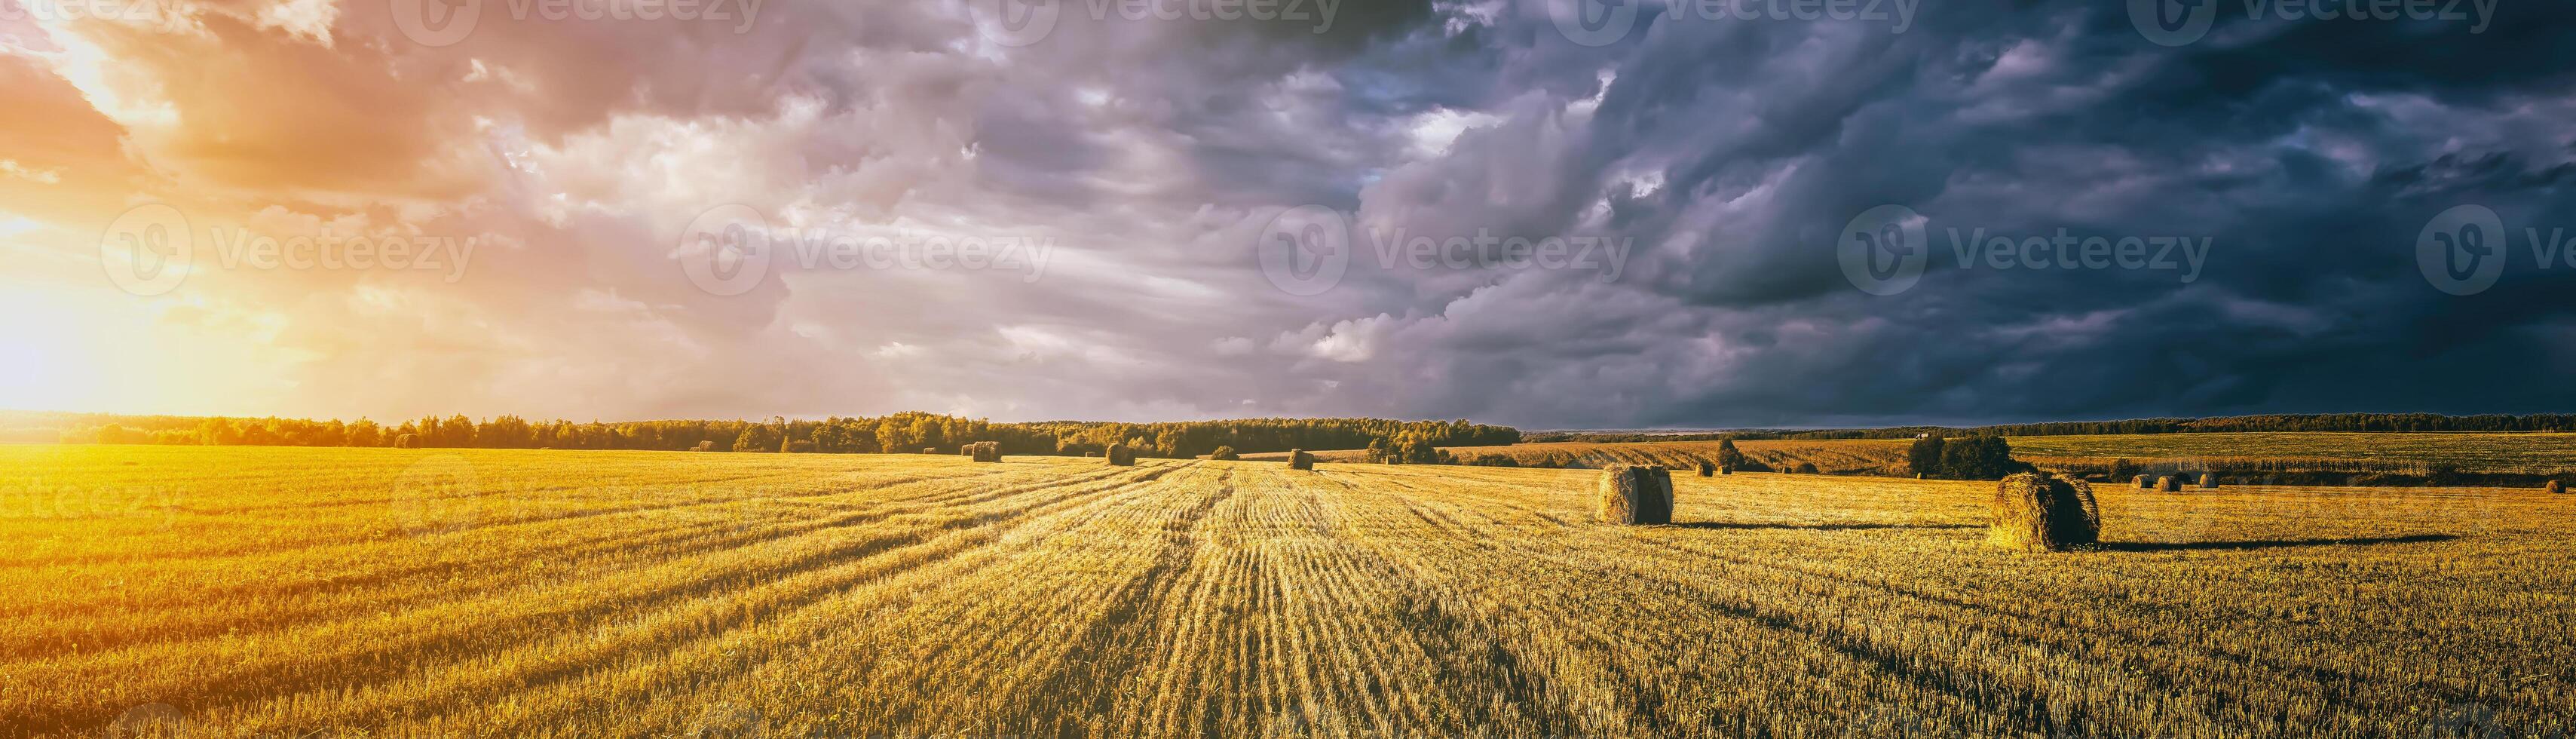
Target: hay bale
[(2144, 482), (2209, 481), (985, 451), (1636, 494), (1121, 456), (1726, 470), (2555, 487), (704, 446), (1298, 459), (1707, 469), (930, 450), (2040, 512), (965, 450), (2169, 484), (1091, 454), (407, 441)]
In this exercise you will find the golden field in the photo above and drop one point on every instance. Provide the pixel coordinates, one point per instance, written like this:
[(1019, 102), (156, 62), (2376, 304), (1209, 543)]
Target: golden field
[(340, 592)]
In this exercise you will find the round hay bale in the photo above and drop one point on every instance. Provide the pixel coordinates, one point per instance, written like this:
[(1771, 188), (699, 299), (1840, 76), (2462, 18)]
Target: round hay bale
[(406, 441), (2169, 484), (704, 446), (1121, 456), (2040, 512), (930, 450), (1636, 494), (1726, 470), (1091, 454), (985, 451), (2209, 481), (1298, 459), (2144, 481), (2555, 487), (1707, 469)]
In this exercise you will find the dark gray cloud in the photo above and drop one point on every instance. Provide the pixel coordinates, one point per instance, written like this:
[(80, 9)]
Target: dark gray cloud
[(1718, 160)]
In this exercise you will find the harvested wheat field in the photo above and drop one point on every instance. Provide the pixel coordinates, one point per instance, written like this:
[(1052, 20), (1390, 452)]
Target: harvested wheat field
[(331, 592)]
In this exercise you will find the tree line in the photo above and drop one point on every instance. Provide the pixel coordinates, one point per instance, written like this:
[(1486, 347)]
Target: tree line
[(2303, 422), (909, 431)]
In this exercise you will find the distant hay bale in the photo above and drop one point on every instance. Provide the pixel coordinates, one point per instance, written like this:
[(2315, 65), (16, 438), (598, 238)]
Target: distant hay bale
[(985, 451), (2169, 484), (1121, 456), (2144, 481), (930, 450), (2040, 512), (1298, 459), (2209, 481), (2555, 487), (704, 446), (407, 441), (965, 450), (1707, 469), (1726, 470), (1636, 494), (1091, 454)]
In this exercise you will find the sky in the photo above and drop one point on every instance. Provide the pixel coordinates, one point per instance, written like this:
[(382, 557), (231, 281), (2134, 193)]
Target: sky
[(1549, 214)]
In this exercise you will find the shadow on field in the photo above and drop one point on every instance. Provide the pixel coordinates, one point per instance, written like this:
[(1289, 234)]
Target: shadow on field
[(2232, 546), (1855, 526)]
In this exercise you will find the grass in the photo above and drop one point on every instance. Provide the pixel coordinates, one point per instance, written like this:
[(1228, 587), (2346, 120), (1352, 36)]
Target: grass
[(285, 592)]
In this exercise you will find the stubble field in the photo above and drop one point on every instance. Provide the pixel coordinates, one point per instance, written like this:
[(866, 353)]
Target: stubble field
[(291, 592)]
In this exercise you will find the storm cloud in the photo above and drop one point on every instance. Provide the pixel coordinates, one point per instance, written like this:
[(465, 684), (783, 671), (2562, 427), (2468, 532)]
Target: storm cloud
[(1492, 210)]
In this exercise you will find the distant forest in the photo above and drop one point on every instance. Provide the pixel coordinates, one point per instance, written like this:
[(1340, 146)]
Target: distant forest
[(900, 432), (2351, 422), (915, 431)]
